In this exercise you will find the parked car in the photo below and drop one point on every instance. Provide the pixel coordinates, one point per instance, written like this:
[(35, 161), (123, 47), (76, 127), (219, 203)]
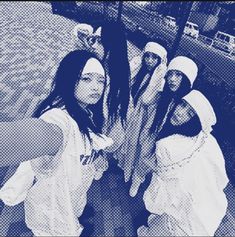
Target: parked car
[(224, 41), (170, 22), (191, 29)]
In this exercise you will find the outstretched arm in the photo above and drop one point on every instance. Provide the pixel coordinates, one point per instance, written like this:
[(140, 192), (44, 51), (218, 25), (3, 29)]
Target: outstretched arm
[(28, 139)]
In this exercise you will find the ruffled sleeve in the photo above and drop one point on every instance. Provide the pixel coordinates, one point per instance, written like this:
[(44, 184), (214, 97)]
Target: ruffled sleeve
[(100, 142)]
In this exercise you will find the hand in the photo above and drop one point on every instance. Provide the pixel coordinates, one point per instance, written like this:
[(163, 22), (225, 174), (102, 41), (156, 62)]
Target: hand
[(101, 164)]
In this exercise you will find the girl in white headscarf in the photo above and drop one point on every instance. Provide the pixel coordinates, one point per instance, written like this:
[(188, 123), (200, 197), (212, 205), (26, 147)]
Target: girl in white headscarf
[(81, 35), (64, 143), (180, 75), (147, 80), (186, 196), (109, 43)]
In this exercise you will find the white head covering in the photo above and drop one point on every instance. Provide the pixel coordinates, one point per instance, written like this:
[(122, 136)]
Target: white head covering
[(93, 66), (156, 48), (98, 32), (186, 66), (203, 109), (83, 28), (157, 78)]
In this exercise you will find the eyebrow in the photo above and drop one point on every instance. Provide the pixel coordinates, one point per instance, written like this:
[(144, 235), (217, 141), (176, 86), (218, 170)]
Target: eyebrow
[(190, 107), (90, 73)]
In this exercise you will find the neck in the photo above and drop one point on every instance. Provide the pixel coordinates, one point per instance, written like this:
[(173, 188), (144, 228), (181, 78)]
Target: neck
[(82, 105)]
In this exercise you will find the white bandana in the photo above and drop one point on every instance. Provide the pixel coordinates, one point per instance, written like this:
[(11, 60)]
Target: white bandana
[(203, 108), (83, 28), (156, 48), (184, 65), (93, 66), (98, 32)]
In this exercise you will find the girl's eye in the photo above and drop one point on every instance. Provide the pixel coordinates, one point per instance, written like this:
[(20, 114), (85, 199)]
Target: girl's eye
[(154, 57), (101, 81), (178, 74), (191, 112), (85, 79), (147, 55)]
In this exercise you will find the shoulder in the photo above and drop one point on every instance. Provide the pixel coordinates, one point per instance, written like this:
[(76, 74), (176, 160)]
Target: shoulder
[(59, 117), (175, 144), (55, 115), (174, 138)]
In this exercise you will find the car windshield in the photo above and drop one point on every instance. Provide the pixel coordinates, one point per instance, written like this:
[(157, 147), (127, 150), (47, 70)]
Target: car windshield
[(170, 18), (196, 27)]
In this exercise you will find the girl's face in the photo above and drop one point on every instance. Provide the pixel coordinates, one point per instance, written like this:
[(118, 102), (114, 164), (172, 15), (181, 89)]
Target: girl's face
[(89, 89), (174, 79), (182, 114), (151, 60)]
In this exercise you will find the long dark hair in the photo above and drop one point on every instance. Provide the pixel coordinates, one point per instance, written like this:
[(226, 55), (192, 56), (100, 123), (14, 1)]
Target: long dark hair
[(66, 78), (114, 40), (136, 91), (166, 98)]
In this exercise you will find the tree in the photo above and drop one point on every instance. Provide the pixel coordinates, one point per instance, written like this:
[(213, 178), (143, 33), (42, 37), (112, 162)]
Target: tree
[(227, 18), (182, 23)]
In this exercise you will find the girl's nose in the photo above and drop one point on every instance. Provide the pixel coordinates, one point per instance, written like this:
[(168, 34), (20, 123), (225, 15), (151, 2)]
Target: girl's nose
[(96, 85), (150, 60)]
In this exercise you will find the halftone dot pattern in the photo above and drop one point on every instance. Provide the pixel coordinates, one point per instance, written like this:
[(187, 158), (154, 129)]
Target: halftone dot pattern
[(33, 42)]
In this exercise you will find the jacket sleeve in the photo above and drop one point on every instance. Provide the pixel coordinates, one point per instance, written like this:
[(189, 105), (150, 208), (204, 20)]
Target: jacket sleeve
[(46, 165), (14, 191)]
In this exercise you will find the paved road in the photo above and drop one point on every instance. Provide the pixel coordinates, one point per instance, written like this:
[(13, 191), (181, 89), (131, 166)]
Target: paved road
[(215, 60), (218, 62)]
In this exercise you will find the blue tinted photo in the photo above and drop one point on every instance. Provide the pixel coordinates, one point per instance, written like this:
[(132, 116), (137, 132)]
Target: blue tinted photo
[(117, 118)]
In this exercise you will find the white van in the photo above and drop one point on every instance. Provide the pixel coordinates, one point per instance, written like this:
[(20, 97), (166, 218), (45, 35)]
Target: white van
[(170, 22), (224, 41), (191, 29)]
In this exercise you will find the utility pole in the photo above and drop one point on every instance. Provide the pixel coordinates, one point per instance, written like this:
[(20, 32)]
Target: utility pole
[(105, 10), (184, 19), (120, 7)]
